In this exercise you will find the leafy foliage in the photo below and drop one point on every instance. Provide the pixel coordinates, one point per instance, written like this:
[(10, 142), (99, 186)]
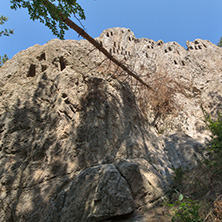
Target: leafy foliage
[(3, 59), (51, 12), (215, 144), (186, 210), (5, 32), (220, 42), (215, 127)]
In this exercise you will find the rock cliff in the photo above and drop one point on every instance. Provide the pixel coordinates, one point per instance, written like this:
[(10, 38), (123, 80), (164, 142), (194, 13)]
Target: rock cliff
[(81, 141)]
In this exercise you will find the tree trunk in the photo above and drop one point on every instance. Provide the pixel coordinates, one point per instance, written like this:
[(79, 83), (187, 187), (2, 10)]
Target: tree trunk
[(86, 36)]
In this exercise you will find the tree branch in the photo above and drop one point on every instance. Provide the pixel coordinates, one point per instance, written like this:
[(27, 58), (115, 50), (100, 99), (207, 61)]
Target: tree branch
[(96, 44)]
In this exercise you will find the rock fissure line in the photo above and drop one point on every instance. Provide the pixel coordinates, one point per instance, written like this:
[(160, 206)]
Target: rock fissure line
[(131, 190)]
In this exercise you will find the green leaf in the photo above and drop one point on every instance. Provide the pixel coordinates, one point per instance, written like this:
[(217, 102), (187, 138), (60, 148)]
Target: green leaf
[(180, 197), (51, 12)]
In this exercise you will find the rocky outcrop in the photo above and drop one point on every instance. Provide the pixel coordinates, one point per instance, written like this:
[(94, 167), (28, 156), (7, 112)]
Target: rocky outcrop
[(75, 145), (197, 69)]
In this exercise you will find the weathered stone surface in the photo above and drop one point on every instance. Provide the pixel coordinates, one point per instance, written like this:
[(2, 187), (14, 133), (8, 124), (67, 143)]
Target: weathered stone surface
[(146, 184), (198, 68), (96, 194), (76, 145)]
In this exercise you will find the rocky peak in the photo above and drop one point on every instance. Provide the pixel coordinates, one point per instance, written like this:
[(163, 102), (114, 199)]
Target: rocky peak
[(201, 56)]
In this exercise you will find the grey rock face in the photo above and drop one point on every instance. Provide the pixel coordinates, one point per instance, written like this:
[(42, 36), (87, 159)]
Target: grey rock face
[(98, 193), (75, 144)]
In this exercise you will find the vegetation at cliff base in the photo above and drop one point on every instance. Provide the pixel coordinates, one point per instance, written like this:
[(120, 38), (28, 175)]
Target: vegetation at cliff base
[(198, 193)]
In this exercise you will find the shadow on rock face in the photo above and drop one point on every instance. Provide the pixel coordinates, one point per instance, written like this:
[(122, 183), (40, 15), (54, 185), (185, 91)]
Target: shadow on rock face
[(37, 179), (183, 151), (103, 193), (28, 180), (106, 121)]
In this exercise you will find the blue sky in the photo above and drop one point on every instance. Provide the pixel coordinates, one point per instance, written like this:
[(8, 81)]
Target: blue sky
[(169, 20)]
